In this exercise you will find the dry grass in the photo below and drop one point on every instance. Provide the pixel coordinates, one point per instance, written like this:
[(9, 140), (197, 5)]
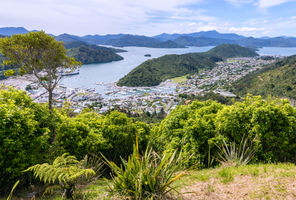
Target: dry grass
[(242, 183)]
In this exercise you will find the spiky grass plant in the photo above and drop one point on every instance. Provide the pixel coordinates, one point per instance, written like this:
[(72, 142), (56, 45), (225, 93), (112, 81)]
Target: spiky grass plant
[(66, 170), (145, 177), (232, 154), (12, 190)]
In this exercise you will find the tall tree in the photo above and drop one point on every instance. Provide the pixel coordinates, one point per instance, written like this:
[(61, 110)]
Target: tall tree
[(39, 54)]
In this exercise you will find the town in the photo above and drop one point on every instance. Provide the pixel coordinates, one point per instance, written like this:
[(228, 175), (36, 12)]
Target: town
[(162, 98)]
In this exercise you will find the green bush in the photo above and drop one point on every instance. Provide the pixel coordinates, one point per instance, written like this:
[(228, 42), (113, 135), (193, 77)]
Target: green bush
[(92, 133), (24, 137), (188, 127), (271, 124)]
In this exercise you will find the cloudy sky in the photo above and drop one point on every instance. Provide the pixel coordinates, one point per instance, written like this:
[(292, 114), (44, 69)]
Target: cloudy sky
[(151, 17)]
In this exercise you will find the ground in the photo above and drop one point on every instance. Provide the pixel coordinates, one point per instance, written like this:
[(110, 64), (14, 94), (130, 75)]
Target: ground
[(250, 182)]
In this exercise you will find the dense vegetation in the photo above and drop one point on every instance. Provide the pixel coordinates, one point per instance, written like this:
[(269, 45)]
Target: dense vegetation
[(232, 50), (89, 54), (194, 130), (276, 79), (153, 72)]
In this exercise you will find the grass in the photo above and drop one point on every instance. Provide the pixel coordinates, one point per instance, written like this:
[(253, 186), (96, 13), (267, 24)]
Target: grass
[(253, 181), (180, 79)]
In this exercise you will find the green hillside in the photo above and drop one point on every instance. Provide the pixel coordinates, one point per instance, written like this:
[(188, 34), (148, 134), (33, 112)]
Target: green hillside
[(88, 54), (277, 79), (155, 71), (232, 50)]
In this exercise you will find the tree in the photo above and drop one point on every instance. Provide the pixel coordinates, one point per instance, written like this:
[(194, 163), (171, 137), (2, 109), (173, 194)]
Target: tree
[(39, 54)]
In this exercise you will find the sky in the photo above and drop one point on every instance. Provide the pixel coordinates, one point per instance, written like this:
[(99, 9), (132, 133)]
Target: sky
[(151, 17)]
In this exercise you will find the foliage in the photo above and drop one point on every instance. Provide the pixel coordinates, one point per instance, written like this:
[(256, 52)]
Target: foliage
[(276, 79), (188, 128), (88, 54), (24, 134), (145, 177), (65, 171), (40, 54), (196, 126), (91, 133)]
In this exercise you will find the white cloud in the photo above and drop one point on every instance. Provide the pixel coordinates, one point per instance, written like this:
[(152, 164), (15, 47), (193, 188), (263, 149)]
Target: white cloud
[(270, 3), (239, 2), (94, 16)]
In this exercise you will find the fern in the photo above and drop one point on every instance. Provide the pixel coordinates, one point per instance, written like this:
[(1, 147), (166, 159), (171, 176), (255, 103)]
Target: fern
[(65, 171)]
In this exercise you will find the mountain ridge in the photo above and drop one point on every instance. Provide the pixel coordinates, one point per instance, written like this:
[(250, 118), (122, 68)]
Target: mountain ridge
[(165, 40)]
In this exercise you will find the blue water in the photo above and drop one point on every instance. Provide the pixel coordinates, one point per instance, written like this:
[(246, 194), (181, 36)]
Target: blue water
[(112, 72)]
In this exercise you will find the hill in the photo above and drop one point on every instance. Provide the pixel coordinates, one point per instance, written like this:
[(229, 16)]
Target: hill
[(277, 79), (202, 34), (9, 31), (201, 41), (89, 54), (153, 72), (232, 50), (141, 41)]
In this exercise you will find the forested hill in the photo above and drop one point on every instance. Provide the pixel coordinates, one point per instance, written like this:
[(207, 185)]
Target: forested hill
[(232, 50), (277, 79), (88, 54), (153, 72)]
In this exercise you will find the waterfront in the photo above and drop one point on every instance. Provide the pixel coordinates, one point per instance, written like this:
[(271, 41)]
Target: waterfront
[(102, 77)]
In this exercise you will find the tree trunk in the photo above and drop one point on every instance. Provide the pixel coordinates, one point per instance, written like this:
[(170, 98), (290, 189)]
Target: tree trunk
[(50, 100)]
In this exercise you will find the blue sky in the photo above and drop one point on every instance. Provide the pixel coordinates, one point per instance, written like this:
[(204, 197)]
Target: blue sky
[(151, 17)]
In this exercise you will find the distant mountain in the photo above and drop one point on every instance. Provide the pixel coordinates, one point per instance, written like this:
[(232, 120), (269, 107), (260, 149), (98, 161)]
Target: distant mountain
[(154, 71), (100, 39), (277, 79), (214, 38), (202, 34), (141, 41), (201, 41), (203, 38), (67, 38), (9, 31)]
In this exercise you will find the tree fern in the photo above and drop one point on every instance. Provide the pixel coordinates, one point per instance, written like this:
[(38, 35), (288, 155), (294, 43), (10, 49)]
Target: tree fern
[(65, 171)]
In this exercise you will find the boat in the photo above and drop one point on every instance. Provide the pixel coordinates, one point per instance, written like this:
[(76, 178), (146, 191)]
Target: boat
[(70, 73), (147, 55)]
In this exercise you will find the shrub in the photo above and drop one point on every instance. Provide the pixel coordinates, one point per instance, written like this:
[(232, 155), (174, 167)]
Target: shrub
[(92, 133), (24, 138), (188, 128), (145, 177)]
